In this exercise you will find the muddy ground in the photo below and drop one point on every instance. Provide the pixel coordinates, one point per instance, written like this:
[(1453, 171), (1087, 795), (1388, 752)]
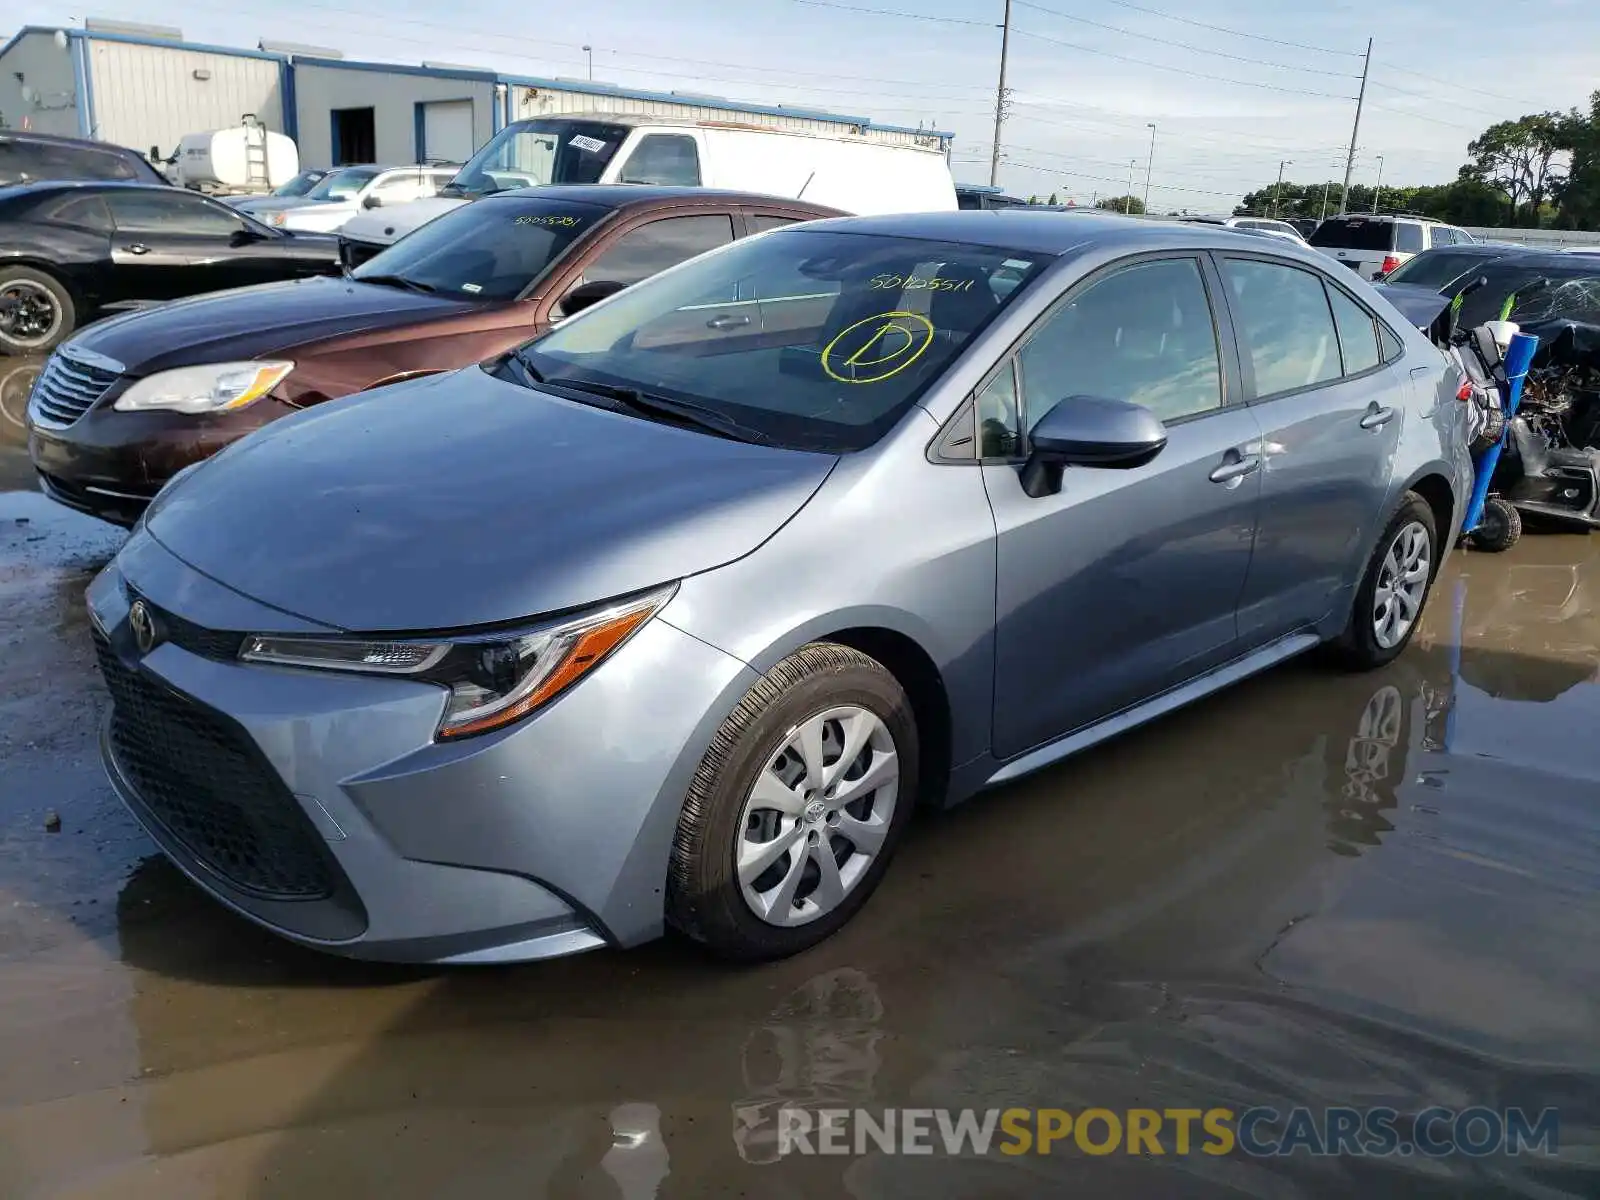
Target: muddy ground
[(1313, 890)]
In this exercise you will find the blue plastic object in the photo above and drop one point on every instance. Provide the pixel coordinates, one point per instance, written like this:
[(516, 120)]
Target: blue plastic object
[(1518, 357)]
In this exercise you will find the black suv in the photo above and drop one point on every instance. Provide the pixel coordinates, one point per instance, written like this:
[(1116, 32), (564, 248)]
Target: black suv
[(27, 157)]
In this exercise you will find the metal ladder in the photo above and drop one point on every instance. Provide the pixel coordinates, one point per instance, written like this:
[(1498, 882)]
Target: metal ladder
[(255, 153)]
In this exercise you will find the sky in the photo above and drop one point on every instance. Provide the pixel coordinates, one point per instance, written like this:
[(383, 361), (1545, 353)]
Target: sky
[(1233, 87)]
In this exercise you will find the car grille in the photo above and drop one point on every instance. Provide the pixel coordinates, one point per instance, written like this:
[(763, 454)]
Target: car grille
[(218, 644), (66, 390), (207, 785)]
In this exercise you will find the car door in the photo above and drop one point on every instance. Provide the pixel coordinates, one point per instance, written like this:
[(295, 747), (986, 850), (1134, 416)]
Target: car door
[(169, 242), (1125, 583), (1328, 390)]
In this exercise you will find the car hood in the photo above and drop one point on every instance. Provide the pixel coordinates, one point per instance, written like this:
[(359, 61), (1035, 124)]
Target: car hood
[(262, 204), (462, 500), (1417, 303), (247, 322), (381, 226)]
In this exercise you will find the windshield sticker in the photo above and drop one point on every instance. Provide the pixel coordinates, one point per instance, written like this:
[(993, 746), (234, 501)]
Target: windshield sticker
[(920, 283), (589, 144), (472, 287), (551, 220), (877, 348)]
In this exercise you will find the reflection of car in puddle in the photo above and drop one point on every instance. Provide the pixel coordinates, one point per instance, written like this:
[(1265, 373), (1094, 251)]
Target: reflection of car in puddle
[(818, 1050), (1528, 628), (1398, 722), (16, 381)]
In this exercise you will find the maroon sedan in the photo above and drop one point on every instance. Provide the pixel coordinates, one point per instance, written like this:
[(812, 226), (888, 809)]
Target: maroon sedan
[(127, 403)]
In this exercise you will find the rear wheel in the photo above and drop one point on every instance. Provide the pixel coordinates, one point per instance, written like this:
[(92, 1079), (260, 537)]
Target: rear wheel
[(1393, 590), (796, 809), (36, 311)]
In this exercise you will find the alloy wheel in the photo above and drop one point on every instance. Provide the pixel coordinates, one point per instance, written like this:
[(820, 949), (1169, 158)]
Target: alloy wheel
[(35, 314), (817, 815), (1402, 585)]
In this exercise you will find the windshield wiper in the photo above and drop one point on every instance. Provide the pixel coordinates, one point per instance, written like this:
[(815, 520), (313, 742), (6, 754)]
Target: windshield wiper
[(651, 405), (411, 285)]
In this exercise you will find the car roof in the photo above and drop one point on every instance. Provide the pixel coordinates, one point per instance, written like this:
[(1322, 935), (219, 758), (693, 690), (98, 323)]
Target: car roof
[(616, 195), (1058, 233), (58, 139), (36, 186)]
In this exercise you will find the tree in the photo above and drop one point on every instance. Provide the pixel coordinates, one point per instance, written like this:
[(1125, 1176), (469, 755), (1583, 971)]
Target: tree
[(1122, 204), (1033, 199), (1053, 199), (1518, 158), (1578, 195)]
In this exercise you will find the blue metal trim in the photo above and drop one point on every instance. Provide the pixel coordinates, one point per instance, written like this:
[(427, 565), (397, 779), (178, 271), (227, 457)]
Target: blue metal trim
[(495, 112), (169, 44), (83, 82), (288, 101), (942, 134), (339, 64), (419, 130)]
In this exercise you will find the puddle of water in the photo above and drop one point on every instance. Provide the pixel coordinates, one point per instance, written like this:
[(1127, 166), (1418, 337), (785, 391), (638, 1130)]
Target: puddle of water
[(1317, 889)]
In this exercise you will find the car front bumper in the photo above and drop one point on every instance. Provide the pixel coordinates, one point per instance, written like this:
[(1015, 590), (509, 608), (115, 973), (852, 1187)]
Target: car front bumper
[(318, 805)]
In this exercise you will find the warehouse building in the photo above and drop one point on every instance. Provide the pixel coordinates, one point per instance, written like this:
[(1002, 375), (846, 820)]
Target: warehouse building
[(145, 87)]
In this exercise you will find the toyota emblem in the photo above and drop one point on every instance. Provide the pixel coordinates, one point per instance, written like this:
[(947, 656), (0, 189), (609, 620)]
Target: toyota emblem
[(143, 622)]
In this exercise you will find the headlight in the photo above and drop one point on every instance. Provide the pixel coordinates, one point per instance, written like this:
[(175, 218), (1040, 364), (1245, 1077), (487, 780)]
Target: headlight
[(215, 387), (274, 218), (494, 679)]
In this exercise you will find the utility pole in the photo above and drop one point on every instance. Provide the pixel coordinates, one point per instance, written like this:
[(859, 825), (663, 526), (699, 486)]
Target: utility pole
[(1277, 191), (589, 51), (1361, 99), (1378, 190), (1127, 197), (1323, 215), (1148, 163), (1002, 99)]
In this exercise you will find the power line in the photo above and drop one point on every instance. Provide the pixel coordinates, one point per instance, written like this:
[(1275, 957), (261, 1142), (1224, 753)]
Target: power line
[(1144, 62), (910, 16), (1474, 89), (1389, 87), (1255, 37), (1150, 37), (1406, 112)]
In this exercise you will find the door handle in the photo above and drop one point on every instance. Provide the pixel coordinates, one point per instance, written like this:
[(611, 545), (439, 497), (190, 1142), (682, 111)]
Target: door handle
[(727, 321), (1236, 467), (1376, 418), (138, 248)]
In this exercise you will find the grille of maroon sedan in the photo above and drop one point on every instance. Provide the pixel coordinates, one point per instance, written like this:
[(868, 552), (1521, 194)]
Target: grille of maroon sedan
[(66, 390), (208, 786)]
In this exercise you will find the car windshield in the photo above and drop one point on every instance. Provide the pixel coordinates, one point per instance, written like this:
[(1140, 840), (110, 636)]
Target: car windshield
[(344, 184), (1537, 293), (1354, 233), (488, 251), (530, 153), (1436, 268), (300, 184), (814, 339)]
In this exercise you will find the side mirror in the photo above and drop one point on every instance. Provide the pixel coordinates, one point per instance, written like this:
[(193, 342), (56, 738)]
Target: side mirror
[(243, 237), (372, 202), (587, 294), (1089, 431)]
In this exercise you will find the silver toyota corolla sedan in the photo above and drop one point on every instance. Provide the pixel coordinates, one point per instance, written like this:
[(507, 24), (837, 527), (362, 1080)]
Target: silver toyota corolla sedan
[(674, 616)]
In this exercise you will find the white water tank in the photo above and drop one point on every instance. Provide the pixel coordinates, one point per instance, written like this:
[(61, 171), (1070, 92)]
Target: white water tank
[(243, 158)]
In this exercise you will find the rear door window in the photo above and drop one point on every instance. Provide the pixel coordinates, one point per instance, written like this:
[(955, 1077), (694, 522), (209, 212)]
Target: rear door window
[(664, 158), (174, 213), (1358, 333), (1355, 233), (761, 222), (85, 211), (1443, 236), (24, 161), (650, 249), (1285, 327), (1408, 237)]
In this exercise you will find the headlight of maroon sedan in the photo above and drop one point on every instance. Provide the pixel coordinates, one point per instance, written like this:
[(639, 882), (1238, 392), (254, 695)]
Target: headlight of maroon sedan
[(213, 387)]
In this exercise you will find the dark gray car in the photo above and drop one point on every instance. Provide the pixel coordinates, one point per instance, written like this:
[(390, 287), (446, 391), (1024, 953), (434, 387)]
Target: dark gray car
[(692, 601)]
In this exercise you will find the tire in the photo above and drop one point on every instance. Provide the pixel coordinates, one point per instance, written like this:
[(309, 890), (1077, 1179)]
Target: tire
[(1499, 528), (1366, 641), (758, 743), (47, 300)]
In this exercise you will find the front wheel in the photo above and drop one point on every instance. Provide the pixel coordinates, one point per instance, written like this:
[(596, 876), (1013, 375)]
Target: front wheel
[(1393, 589), (1499, 528), (36, 311), (796, 808)]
